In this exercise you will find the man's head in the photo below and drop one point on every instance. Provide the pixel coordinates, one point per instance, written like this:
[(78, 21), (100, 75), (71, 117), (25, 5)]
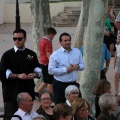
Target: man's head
[(25, 102), (50, 33), (19, 38), (65, 41)]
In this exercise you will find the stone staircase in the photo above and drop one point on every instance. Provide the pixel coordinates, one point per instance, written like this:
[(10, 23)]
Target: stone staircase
[(68, 18), (116, 9)]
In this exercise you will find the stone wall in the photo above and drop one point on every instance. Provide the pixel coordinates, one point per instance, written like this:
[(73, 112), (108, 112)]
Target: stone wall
[(25, 12)]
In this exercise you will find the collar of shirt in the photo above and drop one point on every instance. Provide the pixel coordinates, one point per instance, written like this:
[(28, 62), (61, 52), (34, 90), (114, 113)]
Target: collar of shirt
[(47, 38), (68, 102), (16, 49), (64, 50), (21, 112)]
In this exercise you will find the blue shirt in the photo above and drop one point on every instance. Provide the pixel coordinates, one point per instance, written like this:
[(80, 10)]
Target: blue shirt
[(106, 55), (60, 60)]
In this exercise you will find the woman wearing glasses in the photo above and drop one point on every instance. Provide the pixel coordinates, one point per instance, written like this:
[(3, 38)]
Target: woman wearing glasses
[(81, 109), (45, 108), (71, 93)]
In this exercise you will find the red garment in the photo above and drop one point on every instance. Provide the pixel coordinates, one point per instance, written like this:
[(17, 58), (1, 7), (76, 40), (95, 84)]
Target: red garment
[(45, 46)]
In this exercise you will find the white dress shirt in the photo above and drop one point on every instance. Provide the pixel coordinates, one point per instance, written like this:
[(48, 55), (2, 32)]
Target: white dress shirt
[(60, 60), (118, 50), (68, 103), (24, 115), (118, 20), (118, 17)]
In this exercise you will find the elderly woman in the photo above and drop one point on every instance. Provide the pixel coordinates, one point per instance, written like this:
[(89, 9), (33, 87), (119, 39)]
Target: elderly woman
[(62, 112), (39, 117), (45, 108), (107, 103), (71, 93), (81, 109)]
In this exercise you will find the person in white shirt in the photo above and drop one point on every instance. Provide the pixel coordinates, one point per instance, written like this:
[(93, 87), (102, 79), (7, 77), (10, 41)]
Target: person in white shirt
[(71, 93), (117, 65), (25, 104), (64, 64)]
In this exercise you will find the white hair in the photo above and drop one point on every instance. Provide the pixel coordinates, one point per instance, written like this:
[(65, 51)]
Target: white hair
[(69, 90), (106, 101)]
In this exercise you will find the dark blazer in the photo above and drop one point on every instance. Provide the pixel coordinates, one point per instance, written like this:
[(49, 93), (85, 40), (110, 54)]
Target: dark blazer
[(105, 116)]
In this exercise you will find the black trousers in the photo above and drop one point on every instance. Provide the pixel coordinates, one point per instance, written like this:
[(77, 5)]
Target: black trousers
[(10, 108), (102, 75), (59, 90)]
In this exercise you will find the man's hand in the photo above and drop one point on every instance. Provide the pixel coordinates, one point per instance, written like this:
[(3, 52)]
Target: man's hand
[(22, 76), (70, 68), (75, 66), (31, 76)]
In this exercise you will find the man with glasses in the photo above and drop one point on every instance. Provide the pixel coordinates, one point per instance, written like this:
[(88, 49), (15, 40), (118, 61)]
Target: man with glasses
[(64, 65), (18, 67)]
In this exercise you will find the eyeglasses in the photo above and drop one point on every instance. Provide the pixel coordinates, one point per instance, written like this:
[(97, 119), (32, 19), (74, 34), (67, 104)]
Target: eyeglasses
[(74, 93), (44, 99), (19, 39)]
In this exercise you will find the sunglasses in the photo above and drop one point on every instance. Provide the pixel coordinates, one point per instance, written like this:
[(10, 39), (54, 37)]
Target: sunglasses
[(19, 39)]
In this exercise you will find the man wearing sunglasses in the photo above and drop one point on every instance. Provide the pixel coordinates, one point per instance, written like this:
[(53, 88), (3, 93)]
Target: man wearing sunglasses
[(18, 67)]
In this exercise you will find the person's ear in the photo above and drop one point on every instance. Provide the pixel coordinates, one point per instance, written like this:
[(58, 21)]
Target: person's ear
[(25, 39)]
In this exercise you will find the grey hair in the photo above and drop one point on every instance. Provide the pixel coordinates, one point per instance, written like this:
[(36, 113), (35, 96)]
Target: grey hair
[(39, 116), (106, 101), (20, 97), (69, 89)]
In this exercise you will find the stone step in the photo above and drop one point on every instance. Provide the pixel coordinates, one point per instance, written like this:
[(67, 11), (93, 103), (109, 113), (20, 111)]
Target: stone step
[(58, 24), (73, 8), (72, 12), (65, 13), (116, 9), (68, 18), (65, 20)]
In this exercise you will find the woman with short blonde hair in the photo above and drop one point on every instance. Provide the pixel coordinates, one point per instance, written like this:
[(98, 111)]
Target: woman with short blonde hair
[(81, 109)]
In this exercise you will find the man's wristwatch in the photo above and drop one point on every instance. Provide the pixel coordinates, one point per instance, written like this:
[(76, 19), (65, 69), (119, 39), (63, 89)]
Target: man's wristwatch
[(34, 75)]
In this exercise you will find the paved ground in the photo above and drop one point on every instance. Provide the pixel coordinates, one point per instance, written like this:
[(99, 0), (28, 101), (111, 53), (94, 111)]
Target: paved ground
[(6, 43)]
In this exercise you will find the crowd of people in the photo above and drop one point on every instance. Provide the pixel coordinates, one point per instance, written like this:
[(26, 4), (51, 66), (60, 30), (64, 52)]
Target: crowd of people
[(59, 69)]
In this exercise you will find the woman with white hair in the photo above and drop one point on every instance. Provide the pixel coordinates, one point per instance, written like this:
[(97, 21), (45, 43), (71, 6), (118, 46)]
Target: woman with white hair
[(107, 103), (71, 93)]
